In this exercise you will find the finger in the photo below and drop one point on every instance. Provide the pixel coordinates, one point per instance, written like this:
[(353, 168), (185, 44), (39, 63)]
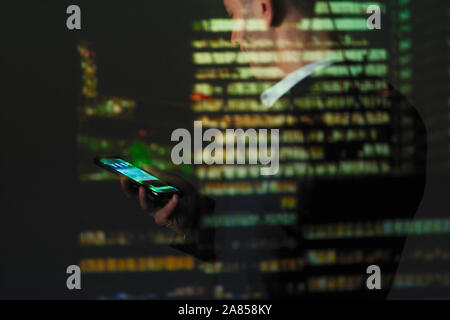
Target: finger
[(143, 201), (152, 199), (148, 202), (170, 178), (126, 188), (177, 229), (162, 215)]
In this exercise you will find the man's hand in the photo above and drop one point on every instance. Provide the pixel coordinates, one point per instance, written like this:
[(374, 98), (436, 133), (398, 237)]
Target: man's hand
[(179, 215)]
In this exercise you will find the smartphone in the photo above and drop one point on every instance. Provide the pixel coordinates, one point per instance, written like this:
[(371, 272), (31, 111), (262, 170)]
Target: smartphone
[(139, 177)]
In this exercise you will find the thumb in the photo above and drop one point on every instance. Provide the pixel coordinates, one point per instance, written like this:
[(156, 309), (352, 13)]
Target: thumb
[(167, 177)]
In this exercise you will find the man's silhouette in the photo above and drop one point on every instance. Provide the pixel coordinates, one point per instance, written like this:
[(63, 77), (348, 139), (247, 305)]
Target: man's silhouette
[(384, 138)]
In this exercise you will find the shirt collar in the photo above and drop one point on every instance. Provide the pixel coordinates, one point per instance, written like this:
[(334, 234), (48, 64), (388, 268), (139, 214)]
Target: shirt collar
[(271, 95)]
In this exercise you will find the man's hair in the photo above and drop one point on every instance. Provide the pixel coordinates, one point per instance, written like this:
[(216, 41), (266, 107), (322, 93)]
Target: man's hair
[(304, 6)]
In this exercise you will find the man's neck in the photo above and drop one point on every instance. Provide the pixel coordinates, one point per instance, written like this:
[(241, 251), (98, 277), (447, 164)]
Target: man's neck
[(301, 41)]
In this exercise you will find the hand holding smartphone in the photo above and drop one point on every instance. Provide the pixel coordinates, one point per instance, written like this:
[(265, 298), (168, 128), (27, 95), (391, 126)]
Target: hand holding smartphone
[(154, 185), (180, 214)]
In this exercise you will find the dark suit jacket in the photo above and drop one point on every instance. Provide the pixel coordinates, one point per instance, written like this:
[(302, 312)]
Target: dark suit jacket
[(393, 194)]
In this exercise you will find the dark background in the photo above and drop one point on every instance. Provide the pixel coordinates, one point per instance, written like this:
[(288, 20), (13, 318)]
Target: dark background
[(40, 91)]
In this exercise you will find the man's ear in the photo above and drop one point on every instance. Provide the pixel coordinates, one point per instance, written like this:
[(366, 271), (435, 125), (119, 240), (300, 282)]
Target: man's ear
[(267, 11)]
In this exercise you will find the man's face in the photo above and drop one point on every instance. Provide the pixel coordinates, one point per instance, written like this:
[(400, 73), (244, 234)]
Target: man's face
[(254, 31), (240, 11)]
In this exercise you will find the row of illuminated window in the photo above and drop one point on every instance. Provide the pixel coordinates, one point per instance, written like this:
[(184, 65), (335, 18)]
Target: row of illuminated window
[(249, 188), (346, 7), (228, 25), (240, 73), (350, 8), (333, 231), (258, 25), (248, 220), (333, 24), (358, 282), (283, 154), (385, 228), (320, 87), (141, 264), (340, 283), (344, 168), (347, 40), (317, 257), (429, 255), (228, 137), (221, 293), (184, 263), (333, 136), (101, 238), (341, 8), (333, 256), (300, 153), (190, 291), (329, 119), (274, 265), (314, 285), (113, 107), (308, 103), (421, 280), (298, 136), (178, 292), (292, 56), (245, 73), (125, 238), (288, 171), (313, 257)]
